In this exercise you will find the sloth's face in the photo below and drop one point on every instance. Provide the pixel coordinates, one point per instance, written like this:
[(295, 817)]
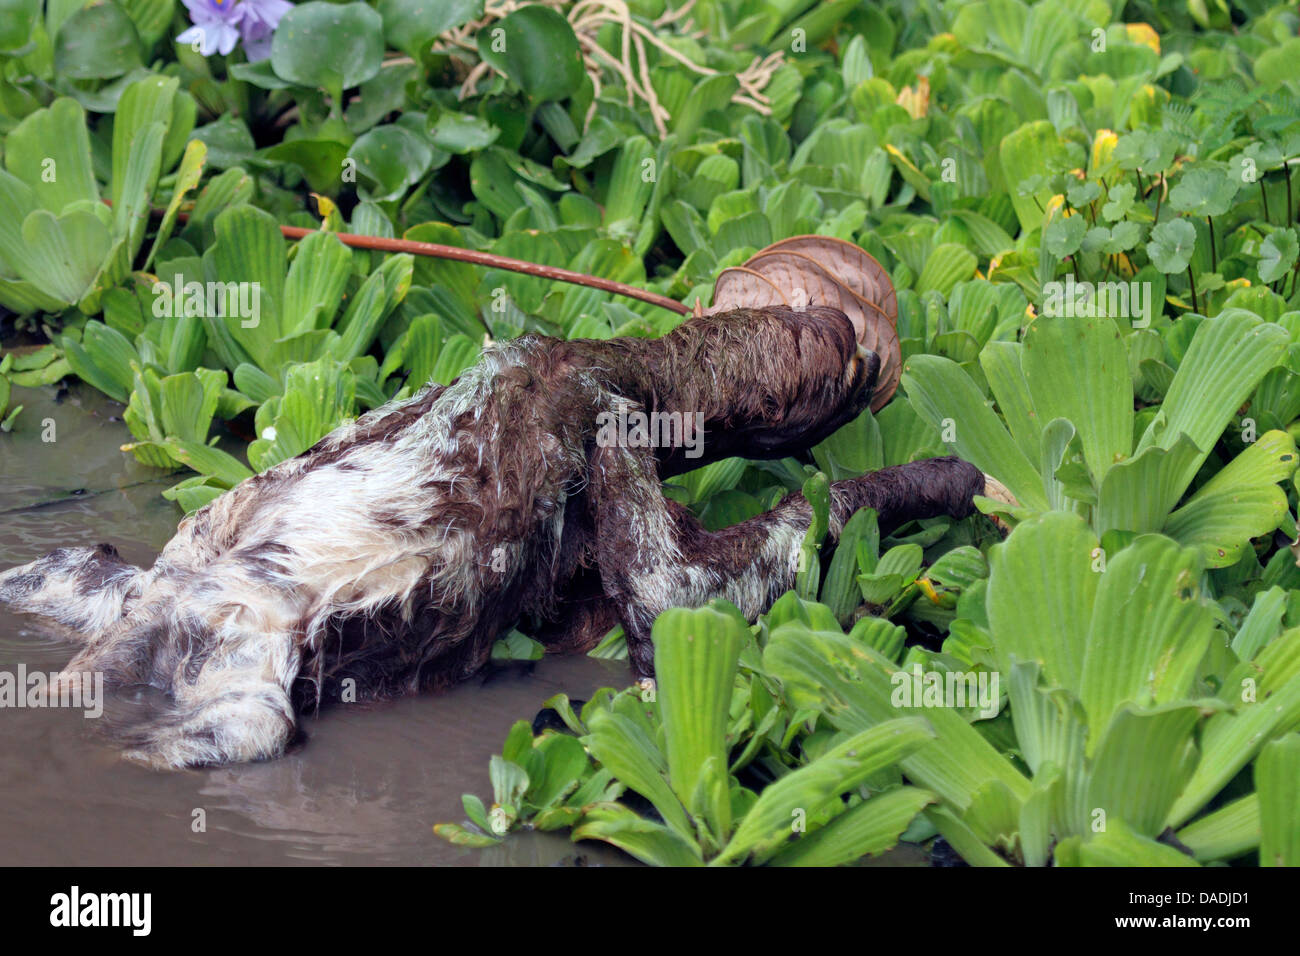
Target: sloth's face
[(860, 373)]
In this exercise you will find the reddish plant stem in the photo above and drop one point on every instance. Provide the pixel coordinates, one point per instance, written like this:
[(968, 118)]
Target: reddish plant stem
[(486, 259), (492, 261)]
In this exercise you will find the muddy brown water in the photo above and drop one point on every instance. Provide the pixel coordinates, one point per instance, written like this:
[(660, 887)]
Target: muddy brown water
[(366, 788)]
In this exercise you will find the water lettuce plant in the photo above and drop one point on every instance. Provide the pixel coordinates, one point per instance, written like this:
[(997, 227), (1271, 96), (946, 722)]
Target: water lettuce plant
[(672, 742)]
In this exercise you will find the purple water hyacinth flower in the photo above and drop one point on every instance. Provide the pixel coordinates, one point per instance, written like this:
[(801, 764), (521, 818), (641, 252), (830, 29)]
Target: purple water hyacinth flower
[(259, 22), (220, 24), (216, 25)]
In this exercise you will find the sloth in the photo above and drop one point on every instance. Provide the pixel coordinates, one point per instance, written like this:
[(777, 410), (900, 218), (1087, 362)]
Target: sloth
[(393, 553)]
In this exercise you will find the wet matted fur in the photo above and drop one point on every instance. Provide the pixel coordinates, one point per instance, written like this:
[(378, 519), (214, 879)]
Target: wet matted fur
[(396, 550)]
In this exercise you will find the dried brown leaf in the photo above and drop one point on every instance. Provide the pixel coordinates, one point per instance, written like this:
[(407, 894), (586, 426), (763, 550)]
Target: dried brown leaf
[(819, 270)]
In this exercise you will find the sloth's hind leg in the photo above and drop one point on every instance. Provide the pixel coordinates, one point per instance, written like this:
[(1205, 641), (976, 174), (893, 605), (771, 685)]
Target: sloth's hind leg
[(232, 703), (252, 719), (653, 554)]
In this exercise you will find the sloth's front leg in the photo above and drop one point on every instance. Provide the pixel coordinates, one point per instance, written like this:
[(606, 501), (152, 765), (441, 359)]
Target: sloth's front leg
[(653, 554)]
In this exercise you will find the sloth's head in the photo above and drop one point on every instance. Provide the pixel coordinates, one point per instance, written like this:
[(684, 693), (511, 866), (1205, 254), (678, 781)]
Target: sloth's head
[(769, 381)]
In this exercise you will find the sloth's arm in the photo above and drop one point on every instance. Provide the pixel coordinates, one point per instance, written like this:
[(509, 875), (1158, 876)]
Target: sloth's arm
[(653, 554)]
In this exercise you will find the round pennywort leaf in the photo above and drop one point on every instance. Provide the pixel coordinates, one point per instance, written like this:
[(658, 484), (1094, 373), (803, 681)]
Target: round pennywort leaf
[(1171, 245), (1277, 254)]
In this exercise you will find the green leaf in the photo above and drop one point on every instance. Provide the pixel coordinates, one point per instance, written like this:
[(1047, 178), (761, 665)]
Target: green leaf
[(1137, 495), (1142, 764), (897, 568), (457, 835), (151, 18), (1277, 255), (1149, 628), (947, 265), (1262, 624), (852, 450), (1243, 500), (139, 177), (1228, 356), (696, 654), (536, 48), (1204, 192), (1026, 155), (1277, 780), (411, 25), (50, 152), (1171, 245), (839, 590), (963, 838), (1228, 832), (1231, 739), (1119, 201), (1278, 64), (649, 842), (941, 391), (328, 45), (321, 160), (855, 686), (187, 179), (390, 159), (816, 490), (69, 250), (249, 249), (629, 186), (458, 353), (1041, 593), (255, 383), (1118, 845), (565, 763), (624, 748), (376, 298), (16, 27), (189, 400), (318, 396), (1077, 369), (812, 788), (509, 782), (314, 286), (1063, 235), (462, 133), (207, 460), (871, 827), (97, 42), (144, 103), (1002, 364)]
